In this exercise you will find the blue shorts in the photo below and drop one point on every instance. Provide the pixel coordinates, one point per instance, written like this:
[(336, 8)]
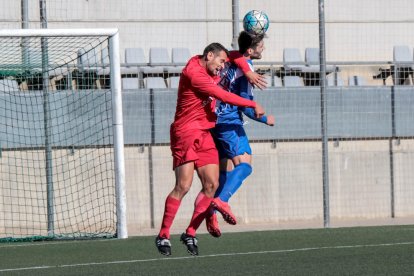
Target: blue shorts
[(231, 140)]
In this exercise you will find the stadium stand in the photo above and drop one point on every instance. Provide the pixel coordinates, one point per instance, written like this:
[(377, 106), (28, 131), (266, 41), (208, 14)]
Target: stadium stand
[(312, 61), (130, 83), (292, 60), (293, 81), (160, 61), (180, 55), (154, 82), (135, 62), (403, 60), (356, 81), (334, 79), (7, 85), (173, 82)]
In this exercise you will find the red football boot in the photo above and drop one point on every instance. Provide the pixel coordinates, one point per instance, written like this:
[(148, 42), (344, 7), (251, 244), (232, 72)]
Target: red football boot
[(224, 209), (212, 224)]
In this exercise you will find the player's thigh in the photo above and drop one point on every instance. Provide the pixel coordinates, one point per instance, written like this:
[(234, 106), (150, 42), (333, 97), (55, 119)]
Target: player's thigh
[(184, 178)]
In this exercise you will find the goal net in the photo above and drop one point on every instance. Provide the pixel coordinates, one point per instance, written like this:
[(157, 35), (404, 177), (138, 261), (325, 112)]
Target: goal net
[(60, 136)]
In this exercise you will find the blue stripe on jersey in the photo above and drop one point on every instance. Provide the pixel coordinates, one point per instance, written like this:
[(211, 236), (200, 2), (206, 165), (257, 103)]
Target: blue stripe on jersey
[(234, 81)]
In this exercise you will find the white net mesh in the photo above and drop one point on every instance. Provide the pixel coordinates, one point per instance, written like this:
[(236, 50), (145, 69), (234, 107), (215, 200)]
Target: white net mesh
[(56, 138)]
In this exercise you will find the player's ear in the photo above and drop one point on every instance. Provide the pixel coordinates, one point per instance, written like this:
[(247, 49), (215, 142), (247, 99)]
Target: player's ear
[(210, 56)]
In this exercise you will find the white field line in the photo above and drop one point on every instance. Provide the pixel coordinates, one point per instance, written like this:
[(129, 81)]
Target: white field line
[(209, 256)]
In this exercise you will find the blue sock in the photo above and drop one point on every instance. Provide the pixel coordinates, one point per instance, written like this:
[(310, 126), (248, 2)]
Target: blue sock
[(234, 180), (222, 180)]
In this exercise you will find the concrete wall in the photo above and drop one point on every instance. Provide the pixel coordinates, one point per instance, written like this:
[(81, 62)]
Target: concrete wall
[(285, 188)]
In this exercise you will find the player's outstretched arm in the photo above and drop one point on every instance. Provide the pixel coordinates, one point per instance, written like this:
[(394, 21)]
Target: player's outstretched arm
[(204, 85), (254, 78)]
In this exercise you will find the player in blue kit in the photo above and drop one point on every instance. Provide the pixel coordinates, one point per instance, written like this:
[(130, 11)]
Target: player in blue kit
[(230, 137)]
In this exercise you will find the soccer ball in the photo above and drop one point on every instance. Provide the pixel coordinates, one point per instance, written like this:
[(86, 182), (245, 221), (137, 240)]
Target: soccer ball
[(256, 22)]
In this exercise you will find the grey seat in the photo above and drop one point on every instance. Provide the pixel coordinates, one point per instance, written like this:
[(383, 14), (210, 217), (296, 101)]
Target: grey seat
[(180, 57), (154, 82), (402, 56), (334, 79), (292, 59), (356, 81), (403, 63), (312, 61), (7, 86), (173, 82), (293, 81), (135, 61), (159, 60), (104, 69), (130, 83)]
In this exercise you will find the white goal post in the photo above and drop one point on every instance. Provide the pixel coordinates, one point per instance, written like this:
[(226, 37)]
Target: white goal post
[(62, 169)]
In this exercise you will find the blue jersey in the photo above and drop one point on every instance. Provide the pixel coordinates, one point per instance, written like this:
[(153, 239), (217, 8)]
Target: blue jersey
[(234, 81)]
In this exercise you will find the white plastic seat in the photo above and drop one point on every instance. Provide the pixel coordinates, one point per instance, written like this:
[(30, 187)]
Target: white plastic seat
[(402, 54), (130, 83), (7, 86), (180, 57), (356, 81), (330, 80), (158, 60), (293, 81), (312, 61), (173, 82), (155, 83), (134, 56), (292, 59)]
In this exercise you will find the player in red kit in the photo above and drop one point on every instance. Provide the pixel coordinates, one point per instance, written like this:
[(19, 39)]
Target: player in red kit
[(192, 145)]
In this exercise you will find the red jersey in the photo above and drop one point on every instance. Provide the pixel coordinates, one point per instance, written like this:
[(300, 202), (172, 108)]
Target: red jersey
[(197, 92)]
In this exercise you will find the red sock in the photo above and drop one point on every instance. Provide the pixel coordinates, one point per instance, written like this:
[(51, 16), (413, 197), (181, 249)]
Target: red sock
[(202, 203), (170, 210)]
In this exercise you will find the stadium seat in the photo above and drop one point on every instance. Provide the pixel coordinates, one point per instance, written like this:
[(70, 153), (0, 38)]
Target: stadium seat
[(7, 86), (88, 62), (312, 61), (173, 82), (292, 60), (130, 83), (293, 81), (402, 56), (268, 80), (403, 62), (356, 81), (330, 80), (154, 82), (158, 60), (136, 57), (103, 69), (277, 82), (180, 57)]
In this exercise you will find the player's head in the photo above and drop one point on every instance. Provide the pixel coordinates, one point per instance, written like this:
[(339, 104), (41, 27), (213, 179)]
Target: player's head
[(215, 55), (251, 45)]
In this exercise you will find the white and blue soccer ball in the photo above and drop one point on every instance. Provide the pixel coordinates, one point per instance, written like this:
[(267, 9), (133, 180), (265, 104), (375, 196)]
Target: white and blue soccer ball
[(256, 22)]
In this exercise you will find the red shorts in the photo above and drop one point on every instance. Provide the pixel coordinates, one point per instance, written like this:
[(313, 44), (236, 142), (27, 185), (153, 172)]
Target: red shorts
[(193, 145)]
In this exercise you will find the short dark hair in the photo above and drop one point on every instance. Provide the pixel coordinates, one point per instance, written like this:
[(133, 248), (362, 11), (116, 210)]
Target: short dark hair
[(216, 48), (247, 41)]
